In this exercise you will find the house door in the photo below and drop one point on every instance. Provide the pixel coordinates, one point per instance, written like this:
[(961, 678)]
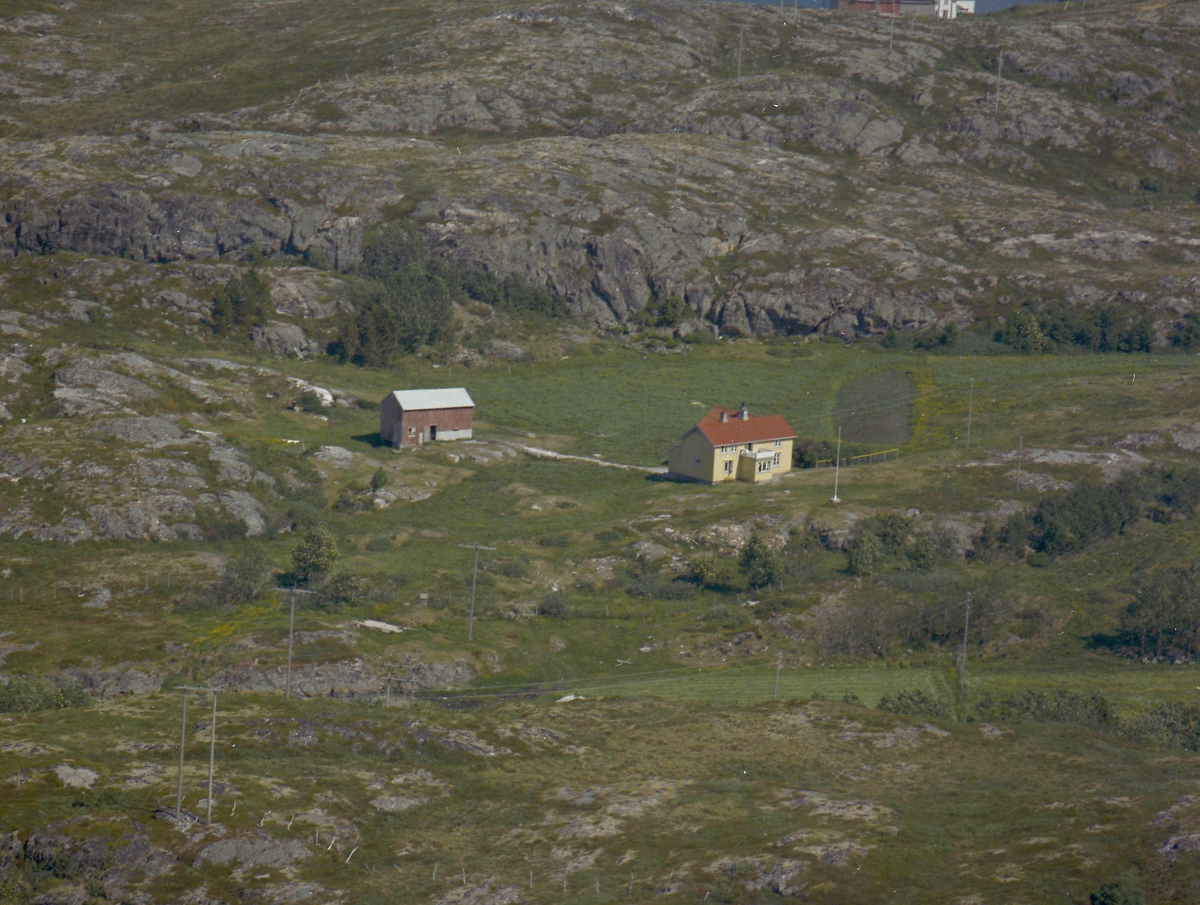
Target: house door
[(433, 432)]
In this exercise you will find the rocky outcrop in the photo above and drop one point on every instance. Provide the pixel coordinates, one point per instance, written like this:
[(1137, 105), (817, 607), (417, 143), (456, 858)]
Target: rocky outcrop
[(125, 221)]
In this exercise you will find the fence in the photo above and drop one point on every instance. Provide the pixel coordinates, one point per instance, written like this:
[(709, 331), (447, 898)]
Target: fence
[(885, 455)]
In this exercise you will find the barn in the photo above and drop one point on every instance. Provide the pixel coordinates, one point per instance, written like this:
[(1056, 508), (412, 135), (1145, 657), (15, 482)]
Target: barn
[(413, 417)]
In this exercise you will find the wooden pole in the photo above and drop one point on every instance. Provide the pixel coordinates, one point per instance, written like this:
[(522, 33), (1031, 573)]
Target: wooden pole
[(182, 742), (212, 753)]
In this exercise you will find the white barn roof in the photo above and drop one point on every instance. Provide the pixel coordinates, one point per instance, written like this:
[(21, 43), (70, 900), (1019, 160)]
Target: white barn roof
[(417, 400)]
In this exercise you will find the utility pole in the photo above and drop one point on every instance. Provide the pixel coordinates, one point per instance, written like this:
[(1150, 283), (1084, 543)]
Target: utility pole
[(778, 666), (292, 591), (970, 403), (892, 28), (474, 577), (999, 67), (677, 156), (837, 468), (182, 742), (1020, 445), (212, 753), (962, 660), (741, 41), (212, 750)]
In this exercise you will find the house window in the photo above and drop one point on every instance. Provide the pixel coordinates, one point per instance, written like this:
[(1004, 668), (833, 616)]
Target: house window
[(697, 462), (764, 465), (778, 444), (729, 467), (412, 431), (776, 460)]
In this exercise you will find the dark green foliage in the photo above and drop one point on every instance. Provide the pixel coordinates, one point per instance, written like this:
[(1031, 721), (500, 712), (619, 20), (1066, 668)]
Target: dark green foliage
[(922, 553), (511, 294), (911, 702), (379, 544), (245, 578), (866, 553), (759, 563), (933, 339), (1068, 521), (1164, 618), (1164, 725), (669, 313), (405, 297), (554, 541), (309, 402), (659, 588), (29, 694), (1060, 706), (244, 301), (851, 698), (316, 553), (1054, 326), (554, 605), (1185, 334), (511, 568), (1124, 891), (337, 591), (379, 480)]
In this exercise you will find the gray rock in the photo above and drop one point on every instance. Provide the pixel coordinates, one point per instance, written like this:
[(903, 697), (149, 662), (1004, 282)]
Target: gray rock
[(283, 339), (246, 509), (337, 456), (259, 853)]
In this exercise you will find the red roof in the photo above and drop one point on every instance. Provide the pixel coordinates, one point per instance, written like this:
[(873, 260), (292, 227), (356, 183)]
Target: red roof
[(755, 429)]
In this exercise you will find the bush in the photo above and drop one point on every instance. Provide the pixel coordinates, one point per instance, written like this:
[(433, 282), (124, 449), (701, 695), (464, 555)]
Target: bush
[(1068, 521), (512, 568), (1164, 618), (316, 553), (866, 554), (310, 402), (1062, 706), (660, 588), (337, 591), (244, 301), (911, 702), (554, 541), (1164, 725), (1048, 327), (1126, 890), (245, 578), (379, 544), (759, 563), (31, 694), (554, 606)]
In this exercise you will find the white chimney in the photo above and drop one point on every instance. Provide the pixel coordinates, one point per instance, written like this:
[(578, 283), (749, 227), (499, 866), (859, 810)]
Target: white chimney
[(744, 413)]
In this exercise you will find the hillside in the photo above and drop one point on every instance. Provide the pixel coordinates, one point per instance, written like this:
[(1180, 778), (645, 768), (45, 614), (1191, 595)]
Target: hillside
[(230, 229), (861, 174)]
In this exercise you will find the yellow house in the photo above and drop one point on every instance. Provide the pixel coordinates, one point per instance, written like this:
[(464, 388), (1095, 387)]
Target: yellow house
[(729, 445)]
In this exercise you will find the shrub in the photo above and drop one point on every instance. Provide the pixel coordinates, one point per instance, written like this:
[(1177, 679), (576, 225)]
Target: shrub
[(1164, 725), (922, 553), (379, 544), (1068, 521), (316, 553), (30, 694), (337, 591), (1062, 706), (554, 605), (866, 554), (512, 568), (309, 402), (379, 480), (1126, 890), (758, 562), (1164, 618), (244, 300), (554, 541), (245, 578), (911, 702)]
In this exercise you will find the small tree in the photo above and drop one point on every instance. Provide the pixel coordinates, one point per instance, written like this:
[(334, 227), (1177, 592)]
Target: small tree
[(379, 480), (316, 554), (245, 577), (243, 300), (759, 562), (866, 553)]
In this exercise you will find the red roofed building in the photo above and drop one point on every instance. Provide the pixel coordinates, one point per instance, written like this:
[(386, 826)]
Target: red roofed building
[(733, 445)]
